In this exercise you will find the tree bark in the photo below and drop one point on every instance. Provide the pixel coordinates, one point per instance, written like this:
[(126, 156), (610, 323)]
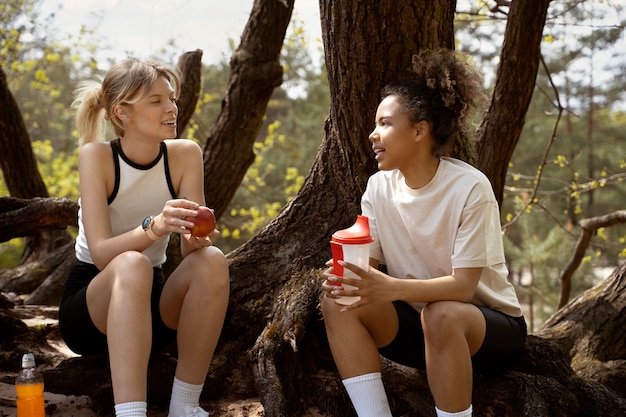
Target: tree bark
[(502, 126), (592, 331), (190, 67), (21, 217)]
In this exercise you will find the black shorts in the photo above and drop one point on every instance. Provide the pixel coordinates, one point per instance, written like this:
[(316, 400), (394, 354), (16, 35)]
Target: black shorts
[(504, 340), (75, 325)]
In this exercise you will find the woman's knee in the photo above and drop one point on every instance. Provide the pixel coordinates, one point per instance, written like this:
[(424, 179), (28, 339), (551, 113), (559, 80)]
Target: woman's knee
[(330, 309), (132, 270), (131, 259), (210, 265), (335, 317), (439, 317)]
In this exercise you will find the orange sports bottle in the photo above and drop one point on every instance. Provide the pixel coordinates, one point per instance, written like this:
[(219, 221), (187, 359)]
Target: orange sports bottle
[(29, 389)]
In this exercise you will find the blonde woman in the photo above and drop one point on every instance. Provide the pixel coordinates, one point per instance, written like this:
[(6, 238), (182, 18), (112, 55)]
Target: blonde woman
[(136, 190)]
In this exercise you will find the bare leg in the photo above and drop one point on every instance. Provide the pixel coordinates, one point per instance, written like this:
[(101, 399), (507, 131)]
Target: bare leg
[(119, 304), (355, 336), (453, 332), (194, 301)]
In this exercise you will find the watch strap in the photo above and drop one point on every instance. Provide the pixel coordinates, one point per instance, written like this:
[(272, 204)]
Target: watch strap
[(153, 236)]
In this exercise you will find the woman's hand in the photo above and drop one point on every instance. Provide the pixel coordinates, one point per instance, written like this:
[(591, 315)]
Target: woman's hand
[(199, 242), (331, 285), (372, 285), (172, 217)]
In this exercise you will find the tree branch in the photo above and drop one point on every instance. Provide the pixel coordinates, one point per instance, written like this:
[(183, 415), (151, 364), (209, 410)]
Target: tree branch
[(539, 173), (190, 66), (21, 217), (589, 227)]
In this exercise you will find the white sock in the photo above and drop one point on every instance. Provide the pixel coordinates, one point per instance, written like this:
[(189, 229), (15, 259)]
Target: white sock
[(132, 409), (184, 394), (466, 413), (368, 396)]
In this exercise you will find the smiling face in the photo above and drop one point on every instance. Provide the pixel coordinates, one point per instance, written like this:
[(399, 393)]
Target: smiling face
[(154, 114), (394, 138)]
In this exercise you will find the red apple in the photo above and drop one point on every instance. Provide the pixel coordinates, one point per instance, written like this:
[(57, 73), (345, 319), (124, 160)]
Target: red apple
[(204, 222)]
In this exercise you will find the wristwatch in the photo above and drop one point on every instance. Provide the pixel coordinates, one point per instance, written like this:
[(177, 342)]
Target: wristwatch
[(147, 224)]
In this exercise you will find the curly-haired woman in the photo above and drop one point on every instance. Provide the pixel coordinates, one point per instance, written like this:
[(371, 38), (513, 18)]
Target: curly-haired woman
[(445, 303)]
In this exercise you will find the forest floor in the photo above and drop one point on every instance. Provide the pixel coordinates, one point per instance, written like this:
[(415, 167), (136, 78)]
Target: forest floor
[(58, 405)]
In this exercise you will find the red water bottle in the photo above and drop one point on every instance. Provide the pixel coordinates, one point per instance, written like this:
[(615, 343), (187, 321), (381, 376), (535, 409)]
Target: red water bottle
[(351, 245)]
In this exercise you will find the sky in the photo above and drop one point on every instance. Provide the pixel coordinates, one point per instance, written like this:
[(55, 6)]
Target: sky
[(142, 27)]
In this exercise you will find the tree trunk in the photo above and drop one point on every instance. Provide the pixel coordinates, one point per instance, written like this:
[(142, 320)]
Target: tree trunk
[(21, 173), (592, 331), (255, 72), (502, 126), (365, 45), (190, 67), (16, 153)]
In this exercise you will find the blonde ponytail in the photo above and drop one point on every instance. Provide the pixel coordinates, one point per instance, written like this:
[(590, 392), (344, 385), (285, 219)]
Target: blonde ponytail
[(89, 117)]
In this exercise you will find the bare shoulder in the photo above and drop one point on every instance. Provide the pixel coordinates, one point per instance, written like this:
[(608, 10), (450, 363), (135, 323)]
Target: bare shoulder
[(95, 151), (96, 167), (182, 146), (185, 161)]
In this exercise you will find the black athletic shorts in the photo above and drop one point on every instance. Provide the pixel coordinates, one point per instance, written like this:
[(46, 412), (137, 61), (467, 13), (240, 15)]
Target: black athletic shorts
[(75, 325), (504, 340)]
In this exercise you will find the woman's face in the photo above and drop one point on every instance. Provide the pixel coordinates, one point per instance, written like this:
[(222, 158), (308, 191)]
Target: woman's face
[(394, 136), (155, 113)]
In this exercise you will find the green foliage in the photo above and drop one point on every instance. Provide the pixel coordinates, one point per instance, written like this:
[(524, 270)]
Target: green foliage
[(569, 163), (214, 81), (41, 71), (59, 170), (286, 146), (264, 190), (536, 260), (11, 252)]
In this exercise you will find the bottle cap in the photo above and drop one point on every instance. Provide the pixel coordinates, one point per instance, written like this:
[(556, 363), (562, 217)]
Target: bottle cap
[(358, 233), (28, 360)]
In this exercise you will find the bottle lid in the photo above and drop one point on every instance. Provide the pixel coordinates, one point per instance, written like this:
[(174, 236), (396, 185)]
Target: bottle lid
[(28, 360), (357, 234)]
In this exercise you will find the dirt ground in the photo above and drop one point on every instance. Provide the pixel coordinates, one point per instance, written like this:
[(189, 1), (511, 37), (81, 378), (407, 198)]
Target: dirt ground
[(58, 405), (73, 406), (80, 406)]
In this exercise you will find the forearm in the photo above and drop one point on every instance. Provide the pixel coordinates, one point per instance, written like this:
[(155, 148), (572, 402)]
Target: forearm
[(457, 287), (103, 251)]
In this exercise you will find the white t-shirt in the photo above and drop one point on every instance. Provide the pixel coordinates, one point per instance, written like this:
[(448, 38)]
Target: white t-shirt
[(452, 222)]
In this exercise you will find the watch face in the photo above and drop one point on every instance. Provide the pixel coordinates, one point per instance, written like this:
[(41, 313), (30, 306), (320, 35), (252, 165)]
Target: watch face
[(146, 222)]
